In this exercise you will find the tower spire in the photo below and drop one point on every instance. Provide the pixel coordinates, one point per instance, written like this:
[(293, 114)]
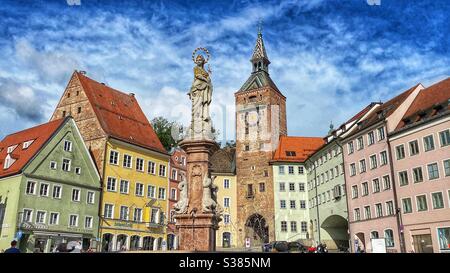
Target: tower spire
[(259, 58)]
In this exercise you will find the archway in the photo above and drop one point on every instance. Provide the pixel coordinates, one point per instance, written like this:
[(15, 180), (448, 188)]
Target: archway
[(158, 244), (107, 242), (134, 242), (226, 239), (360, 242), (170, 241), (336, 228), (121, 243), (257, 230), (147, 243)]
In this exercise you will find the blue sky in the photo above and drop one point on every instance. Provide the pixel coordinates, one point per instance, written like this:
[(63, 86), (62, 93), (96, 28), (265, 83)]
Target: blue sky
[(329, 58)]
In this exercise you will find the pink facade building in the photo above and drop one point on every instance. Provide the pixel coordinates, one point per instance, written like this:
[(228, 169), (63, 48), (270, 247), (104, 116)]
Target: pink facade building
[(420, 148), (370, 185)]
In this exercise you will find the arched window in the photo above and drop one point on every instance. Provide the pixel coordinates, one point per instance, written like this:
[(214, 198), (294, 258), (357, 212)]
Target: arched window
[(226, 239), (389, 237), (374, 235)]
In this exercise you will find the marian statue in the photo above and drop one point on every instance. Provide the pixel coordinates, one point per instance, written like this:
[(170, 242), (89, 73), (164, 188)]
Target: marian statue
[(200, 96)]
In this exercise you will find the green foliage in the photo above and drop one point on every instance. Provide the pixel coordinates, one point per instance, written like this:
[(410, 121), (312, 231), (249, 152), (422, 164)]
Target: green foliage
[(162, 128)]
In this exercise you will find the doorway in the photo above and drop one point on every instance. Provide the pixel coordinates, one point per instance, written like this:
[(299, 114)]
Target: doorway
[(423, 243), (226, 239)]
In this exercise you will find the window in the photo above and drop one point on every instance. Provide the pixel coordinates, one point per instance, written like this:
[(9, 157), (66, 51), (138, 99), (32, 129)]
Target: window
[(282, 186), (350, 147), (63, 113), (76, 195), (151, 167), (413, 147), (357, 214), (383, 158), (162, 193), (53, 165), (79, 110), (226, 219), (438, 200), (300, 170), (362, 166), (54, 218), (374, 235), (226, 183), (400, 150), (354, 191), (162, 170), (78, 170), (444, 136), (139, 191), (73, 220), (428, 143), (304, 226), (173, 194), (403, 177), (111, 184), (113, 157), (417, 175), (40, 217), (293, 226), (373, 162), (360, 143), (127, 161), (422, 203), (447, 167), (444, 238), (123, 213), (283, 226), (301, 187), (379, 210), (139, 164), (262, 187), (124, 186), (389, 237), (226, 202), (371, 138), (154, 215), (67, 146), (43, 191), (407, 205), (303, 204), (367, 212), (281, 169), (376, 185), (137, 216), (66, 165), (433, 172), (291, 186), (27, 215), (390, 208), (352, 169), (88, 222), (291, 169), (247, 148), (381, 134), (365, 189), (282, 204), (387, 182), (109, 211), (56, 192), (292, 204), (90, 198)]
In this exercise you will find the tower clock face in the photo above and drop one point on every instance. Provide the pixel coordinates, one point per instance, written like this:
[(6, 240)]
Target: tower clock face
[(252, 118)]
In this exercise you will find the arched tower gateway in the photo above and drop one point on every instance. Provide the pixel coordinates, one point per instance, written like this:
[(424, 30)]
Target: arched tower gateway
[(260, 121)]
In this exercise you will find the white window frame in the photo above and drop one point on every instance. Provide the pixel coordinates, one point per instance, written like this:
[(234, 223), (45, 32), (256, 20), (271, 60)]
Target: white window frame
[(70, 165), (112, 211), (151, 166), (93, 197), (115, 184), (45, 217), (55, 163), (424, 143), (136, 189), (50, 218), (48, 189), (417, 203), (78, 170), (60, 191), (428, 172), (31, 214), (92, 222), (142, 169), (79, 194), (127, 188), (443, 200), (70, 145), (77, 218), (127, 161), (118, 157)]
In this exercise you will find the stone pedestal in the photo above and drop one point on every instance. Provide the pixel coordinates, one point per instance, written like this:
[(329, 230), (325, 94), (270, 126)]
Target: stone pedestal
[(197, 230)]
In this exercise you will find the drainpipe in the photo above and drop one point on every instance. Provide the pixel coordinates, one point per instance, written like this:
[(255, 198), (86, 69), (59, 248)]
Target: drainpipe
[(100, 219), (350, 245), (394, 188), (317, 205)]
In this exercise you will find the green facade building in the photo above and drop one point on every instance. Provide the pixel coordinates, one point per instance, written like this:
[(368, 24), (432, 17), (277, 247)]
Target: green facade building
[(49, 188)]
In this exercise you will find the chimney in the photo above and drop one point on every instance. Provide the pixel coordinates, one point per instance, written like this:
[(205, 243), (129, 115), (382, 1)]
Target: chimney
[(82, 72), (132, 95)]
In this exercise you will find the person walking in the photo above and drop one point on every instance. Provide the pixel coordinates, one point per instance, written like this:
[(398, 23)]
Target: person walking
[(13, 248)]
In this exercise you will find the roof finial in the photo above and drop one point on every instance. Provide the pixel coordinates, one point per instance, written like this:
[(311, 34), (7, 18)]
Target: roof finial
[(260, 26)]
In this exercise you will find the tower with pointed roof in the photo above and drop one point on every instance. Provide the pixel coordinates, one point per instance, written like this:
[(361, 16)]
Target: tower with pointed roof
[(260, 121)]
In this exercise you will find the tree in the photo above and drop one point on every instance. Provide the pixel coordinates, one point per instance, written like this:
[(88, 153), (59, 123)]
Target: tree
[(163, 129)]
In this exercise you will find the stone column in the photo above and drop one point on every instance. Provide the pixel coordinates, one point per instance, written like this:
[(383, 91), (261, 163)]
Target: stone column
[(196, 229)]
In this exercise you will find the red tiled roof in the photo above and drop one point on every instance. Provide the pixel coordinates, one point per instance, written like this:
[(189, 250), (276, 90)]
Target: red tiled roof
[(40, 134), (387, 108), (427, 98), (303, 147), (120, 115), (361, 113)]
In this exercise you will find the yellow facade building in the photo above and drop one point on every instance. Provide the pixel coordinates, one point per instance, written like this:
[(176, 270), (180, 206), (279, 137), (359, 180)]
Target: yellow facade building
[(223, 167)]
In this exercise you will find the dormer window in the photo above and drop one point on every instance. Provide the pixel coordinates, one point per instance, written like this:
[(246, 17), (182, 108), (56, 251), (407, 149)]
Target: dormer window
[(8, 162), (11, 149), (27, 144), (290, 153)]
